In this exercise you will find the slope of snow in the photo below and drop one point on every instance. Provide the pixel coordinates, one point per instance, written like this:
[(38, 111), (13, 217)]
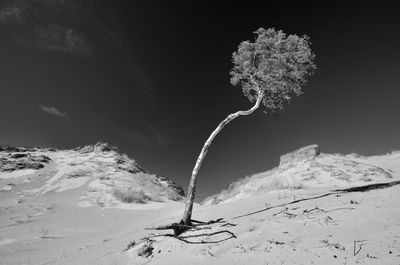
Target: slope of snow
[(308, 168), (302, 212), (17, 174), (343, 228), (93, 172)]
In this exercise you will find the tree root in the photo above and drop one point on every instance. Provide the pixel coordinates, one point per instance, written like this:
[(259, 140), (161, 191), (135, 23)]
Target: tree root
[(184, 238), (180, 227), (177, 227)]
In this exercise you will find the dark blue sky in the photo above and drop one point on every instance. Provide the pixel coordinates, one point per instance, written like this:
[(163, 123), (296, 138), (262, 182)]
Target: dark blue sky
[(153, 79)]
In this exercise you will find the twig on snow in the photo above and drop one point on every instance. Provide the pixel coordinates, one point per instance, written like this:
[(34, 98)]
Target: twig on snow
[(355, 252)]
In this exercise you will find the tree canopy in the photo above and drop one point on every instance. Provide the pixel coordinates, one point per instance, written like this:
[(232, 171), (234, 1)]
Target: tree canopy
[(274, 67)]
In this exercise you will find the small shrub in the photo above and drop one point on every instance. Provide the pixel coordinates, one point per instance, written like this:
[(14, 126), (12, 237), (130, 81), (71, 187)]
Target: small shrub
[(129, 195)]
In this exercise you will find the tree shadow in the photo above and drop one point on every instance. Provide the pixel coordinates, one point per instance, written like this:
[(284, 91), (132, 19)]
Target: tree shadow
[(365, 188)]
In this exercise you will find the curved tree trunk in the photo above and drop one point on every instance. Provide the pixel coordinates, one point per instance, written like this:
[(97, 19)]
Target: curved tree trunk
[(192, 186)]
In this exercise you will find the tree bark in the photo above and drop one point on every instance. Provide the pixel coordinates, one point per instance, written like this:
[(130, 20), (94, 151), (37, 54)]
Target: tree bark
[(192, 186)]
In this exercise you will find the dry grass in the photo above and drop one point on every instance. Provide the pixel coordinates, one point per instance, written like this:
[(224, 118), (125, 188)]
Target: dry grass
[(251, 185), (279, 183), (129, 195)]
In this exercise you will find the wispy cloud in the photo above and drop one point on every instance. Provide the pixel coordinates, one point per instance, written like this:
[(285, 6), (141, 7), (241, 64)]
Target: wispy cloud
[(144, 135), (31, 28), (53, 111), (56, 38), (9, 15), (158, 135)]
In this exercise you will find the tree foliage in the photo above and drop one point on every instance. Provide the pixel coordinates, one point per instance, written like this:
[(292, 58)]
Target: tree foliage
[(274, 67)]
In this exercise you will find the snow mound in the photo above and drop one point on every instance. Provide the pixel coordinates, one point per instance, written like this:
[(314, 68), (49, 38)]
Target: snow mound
[(307, 168), (96, 174)]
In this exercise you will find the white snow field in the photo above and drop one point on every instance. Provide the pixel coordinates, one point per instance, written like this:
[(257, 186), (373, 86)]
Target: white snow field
[(314, 208)]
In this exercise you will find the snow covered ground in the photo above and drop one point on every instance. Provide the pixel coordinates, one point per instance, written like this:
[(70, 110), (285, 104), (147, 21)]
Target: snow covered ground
[(307, 168), (302, 212)]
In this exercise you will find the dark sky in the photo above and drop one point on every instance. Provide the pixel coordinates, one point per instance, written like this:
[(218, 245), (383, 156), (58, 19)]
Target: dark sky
[(153, 79)]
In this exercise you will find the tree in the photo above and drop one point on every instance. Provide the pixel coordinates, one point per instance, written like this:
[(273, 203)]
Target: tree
[(270, 72)]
